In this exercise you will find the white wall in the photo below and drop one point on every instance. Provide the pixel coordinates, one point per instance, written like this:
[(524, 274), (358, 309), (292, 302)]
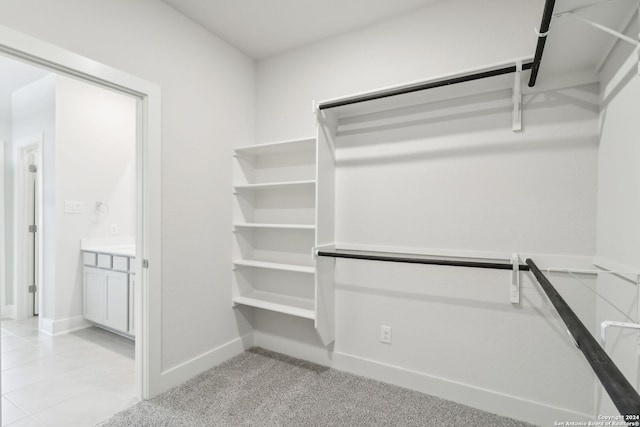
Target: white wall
[(94, 161), (207, 107), (618, 228), (33, 114), (5, 136), (449, 175), (445, 37), (5, 118)]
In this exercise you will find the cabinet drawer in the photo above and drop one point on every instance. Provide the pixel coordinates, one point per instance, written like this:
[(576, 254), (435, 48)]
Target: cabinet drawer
[(104, 260), (120, 263), (89, 258)]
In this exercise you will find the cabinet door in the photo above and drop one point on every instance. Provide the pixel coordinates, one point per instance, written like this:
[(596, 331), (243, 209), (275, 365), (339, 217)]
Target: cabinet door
[(117, 299), (94, 295)]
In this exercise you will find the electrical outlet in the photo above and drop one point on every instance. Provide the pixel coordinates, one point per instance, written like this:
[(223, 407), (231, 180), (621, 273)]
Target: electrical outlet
[(385, 334), (114, 229)]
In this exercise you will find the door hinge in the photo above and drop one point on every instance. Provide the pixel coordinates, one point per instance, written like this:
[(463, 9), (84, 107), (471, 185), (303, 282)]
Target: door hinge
[(33, 229), (33, 289), (145, 263), (33, 168)]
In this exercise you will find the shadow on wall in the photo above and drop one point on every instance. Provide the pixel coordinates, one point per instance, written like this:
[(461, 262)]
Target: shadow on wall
[(476, 125)]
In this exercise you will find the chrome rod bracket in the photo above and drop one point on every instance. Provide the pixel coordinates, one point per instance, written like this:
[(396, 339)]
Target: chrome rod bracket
[(517, 98), (514, 289)]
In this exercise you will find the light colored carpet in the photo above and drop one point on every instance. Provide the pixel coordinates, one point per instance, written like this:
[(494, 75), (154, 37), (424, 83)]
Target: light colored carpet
[(262, 388)]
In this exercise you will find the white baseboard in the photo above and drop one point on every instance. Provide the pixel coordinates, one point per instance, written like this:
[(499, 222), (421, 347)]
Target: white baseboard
[(293, 348), (9, 312), (183, 372), (63, 326), (487, 400)]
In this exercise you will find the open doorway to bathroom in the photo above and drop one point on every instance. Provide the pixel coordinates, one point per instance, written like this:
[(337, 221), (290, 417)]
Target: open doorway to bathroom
[(69, 169)]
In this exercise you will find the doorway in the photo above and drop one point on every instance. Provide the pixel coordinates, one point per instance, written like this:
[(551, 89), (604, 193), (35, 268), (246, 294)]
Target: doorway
[(83, 138), (148, 184)]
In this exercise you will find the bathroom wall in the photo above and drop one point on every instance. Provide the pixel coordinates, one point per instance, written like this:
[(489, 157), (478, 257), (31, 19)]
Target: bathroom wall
[(88, 156), (94, 162), (5, 137), (5, 117)]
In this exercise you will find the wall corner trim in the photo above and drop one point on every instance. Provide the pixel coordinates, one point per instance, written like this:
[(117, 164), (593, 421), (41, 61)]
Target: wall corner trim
[(183, 372)]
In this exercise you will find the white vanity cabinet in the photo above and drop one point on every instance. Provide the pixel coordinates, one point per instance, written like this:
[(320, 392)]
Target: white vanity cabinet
[(108, 290)]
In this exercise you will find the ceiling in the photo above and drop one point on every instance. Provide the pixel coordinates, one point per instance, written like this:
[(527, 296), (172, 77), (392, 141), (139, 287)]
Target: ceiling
[(573, 45), (262, 28), (15, 74)]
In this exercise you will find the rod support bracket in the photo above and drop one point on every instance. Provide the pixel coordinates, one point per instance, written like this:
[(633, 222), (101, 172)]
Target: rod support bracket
[(603, 330), (514, 288), (517, 98)]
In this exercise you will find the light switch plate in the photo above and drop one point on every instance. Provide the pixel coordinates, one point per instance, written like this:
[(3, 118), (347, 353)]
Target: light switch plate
[(72, 207)]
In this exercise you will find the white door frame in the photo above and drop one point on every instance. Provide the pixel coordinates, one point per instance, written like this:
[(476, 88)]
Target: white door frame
[(148, 186), (20, 290)]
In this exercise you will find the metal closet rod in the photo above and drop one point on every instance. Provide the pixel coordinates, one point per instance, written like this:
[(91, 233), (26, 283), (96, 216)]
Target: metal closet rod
[(622, 393), (429, 261), (547, 14), (423, 86)]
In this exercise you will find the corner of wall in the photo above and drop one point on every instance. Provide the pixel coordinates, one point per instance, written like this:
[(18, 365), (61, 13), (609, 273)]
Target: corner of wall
[(177, 375)]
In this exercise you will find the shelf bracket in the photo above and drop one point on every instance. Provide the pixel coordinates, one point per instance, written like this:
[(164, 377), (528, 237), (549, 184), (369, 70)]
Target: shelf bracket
[(517, 99), (603, 331), (514, 289)]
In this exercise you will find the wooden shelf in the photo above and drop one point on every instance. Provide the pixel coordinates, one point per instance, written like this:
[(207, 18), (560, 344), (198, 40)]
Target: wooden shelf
[(277, 185), (275, 266), (277, 147), (280, 303), (276, 226)]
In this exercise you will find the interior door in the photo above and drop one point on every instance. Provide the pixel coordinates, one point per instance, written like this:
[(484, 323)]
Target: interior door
[(32, 249)]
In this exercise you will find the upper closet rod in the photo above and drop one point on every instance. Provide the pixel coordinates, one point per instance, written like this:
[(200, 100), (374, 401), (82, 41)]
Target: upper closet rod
[(547, 14), (423, 86)]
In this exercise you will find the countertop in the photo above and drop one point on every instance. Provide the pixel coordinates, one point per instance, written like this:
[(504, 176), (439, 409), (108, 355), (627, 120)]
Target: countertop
[(122, 246)]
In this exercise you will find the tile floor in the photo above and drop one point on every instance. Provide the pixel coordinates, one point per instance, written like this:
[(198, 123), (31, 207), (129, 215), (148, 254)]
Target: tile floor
[(75, 379)]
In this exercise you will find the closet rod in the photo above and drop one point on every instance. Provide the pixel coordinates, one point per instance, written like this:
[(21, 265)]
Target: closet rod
[(621, 392), (418, 260), (423, 86), (547, 14)]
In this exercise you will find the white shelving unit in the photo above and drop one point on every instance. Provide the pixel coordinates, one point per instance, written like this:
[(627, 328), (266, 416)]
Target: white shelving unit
[(278, 303), (277, 185), (275, 230), (274, 266)]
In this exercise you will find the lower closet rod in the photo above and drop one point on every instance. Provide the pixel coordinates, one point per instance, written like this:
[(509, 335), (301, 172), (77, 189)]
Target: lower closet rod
[(418, 260), (621, 392)]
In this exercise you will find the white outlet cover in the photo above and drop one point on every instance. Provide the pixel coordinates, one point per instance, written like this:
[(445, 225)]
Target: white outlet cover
[(385, 334)]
